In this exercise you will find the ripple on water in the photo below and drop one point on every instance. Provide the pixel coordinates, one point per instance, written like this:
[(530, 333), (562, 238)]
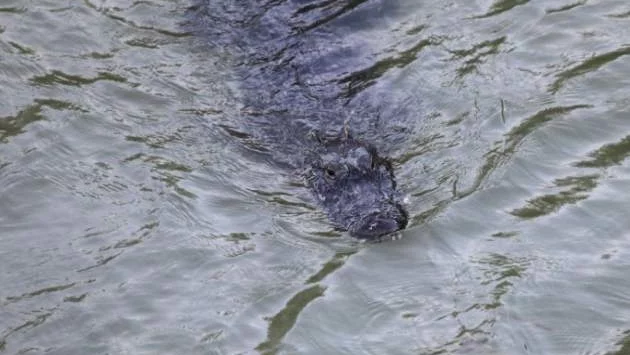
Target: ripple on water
[(138, 216)]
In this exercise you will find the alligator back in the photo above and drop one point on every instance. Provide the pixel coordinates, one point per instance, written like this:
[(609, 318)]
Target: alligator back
[(303, 67)]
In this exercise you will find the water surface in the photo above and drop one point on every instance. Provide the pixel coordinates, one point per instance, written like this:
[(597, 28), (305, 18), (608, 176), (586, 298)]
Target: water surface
[(136, 218)]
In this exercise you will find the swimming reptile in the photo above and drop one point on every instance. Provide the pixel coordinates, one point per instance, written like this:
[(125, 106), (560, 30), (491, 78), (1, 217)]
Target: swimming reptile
[(287, 66)]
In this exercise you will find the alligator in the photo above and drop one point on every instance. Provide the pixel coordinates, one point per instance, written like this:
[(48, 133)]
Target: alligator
[(296, 106)]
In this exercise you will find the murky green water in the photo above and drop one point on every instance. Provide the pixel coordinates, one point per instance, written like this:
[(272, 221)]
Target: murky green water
[(132, 223)]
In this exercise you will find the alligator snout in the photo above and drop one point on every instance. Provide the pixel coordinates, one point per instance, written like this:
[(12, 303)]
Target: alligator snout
[(381, 223)]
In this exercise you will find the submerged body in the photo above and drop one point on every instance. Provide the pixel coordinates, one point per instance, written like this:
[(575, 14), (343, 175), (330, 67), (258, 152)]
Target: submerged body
[(290, 85)]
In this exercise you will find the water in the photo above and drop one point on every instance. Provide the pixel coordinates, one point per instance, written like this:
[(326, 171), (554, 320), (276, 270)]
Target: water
[(133, 221)]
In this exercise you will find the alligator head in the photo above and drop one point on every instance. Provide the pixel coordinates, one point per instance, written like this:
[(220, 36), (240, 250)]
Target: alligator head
[(355, 187)]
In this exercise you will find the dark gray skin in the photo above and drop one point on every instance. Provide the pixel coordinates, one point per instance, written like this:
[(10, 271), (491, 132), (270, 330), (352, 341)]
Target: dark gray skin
[(356, 188), (292, 82)]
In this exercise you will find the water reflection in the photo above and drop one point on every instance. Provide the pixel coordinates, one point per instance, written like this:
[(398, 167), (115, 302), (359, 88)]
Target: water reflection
[(575, 189), (590, 65), (501, 6), (476, 54), (142, 213), (14, 125)]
